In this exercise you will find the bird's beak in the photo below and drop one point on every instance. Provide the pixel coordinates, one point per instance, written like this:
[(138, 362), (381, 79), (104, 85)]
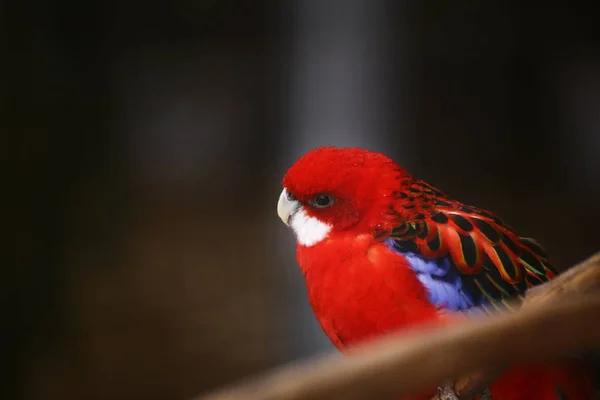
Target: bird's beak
[(286, 207)]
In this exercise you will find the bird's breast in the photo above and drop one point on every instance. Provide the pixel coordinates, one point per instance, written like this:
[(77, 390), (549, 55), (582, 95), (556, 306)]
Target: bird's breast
[(359, 289)]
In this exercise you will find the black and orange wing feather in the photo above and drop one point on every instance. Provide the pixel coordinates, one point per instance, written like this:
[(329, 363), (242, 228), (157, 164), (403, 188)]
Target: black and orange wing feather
[(492, 263)]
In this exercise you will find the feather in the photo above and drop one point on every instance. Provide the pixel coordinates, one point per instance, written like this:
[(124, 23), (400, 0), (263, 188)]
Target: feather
[(474, 259)]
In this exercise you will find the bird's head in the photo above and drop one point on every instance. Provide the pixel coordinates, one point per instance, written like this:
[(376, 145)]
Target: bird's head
[(333, 190)]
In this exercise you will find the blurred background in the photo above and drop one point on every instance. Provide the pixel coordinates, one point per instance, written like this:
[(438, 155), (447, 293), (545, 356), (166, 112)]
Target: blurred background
[(145, 143)]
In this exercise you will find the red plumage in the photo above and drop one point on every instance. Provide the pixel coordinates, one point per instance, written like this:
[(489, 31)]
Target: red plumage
[(382, 251)]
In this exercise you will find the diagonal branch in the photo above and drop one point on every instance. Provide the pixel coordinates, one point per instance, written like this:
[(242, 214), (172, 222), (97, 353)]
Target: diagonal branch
[(404, 364), (582, 279)]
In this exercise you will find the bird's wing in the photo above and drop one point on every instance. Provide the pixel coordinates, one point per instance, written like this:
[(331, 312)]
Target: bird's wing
[(465, 256)]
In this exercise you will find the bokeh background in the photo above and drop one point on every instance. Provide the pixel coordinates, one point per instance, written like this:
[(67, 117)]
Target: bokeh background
[(145, 143)]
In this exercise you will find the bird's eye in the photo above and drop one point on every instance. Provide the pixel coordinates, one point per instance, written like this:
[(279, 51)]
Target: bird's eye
[(322, 200)]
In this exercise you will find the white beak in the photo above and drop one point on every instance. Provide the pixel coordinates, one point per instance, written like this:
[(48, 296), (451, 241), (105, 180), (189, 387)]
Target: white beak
[(286, 207)]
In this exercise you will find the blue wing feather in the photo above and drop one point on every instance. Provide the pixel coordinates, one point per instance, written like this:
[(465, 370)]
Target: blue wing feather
[(447, 290)]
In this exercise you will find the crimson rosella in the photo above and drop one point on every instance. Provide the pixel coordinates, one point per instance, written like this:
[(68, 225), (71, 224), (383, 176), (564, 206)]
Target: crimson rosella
[(381, 251)]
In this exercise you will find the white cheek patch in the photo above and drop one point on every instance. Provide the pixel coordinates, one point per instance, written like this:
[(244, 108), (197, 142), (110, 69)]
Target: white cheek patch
[(309, 230)]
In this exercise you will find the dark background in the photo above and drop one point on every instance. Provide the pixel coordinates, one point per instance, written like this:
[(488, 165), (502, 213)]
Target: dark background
[(145, 143)]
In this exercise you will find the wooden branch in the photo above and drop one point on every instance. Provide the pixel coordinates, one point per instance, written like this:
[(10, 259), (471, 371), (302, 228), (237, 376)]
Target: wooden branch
[(406, 363), (582, 279)]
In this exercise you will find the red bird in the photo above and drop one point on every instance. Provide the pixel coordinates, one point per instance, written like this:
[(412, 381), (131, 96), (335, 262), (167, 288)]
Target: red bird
[(381, 251)]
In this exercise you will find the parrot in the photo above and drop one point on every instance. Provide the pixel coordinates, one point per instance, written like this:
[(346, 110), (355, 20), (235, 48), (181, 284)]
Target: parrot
[(381, 251)]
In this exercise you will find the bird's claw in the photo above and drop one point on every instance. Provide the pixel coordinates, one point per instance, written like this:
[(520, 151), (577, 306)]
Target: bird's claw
[(447, 392)]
